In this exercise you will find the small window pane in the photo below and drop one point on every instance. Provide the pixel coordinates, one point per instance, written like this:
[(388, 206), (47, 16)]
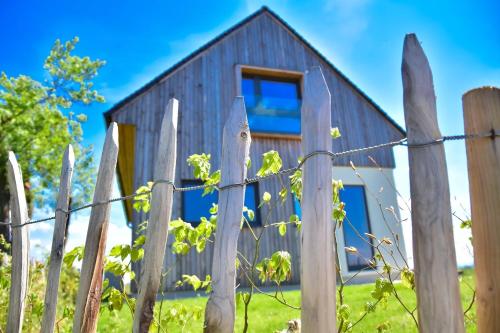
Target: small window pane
[(195, 206), (248, 89), (273, 105), (356, 224), (280, 98), (296, 207)]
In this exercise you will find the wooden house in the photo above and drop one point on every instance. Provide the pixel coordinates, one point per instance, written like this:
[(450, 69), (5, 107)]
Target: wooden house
[(263, 59)]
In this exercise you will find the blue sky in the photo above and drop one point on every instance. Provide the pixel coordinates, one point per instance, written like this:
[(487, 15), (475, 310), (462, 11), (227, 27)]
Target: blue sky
[(363, 38)]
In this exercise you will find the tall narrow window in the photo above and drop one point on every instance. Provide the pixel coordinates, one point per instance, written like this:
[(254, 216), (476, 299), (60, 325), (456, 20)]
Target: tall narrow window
[(195, 206), (273, 104), (357, 224)]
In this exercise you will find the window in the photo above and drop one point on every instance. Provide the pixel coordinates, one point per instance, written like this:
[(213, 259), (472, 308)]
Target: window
[(357, 217), (272, 104), (195, 206), (296, 207)]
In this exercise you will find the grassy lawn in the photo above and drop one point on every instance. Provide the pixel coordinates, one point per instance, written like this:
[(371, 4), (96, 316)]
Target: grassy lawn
[(267, 315)]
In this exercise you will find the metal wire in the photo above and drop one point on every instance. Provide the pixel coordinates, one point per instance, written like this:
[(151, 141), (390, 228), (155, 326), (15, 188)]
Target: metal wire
[(403, 142)]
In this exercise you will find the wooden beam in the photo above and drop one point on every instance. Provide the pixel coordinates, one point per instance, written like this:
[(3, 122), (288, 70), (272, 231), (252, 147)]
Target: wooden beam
[(436, 277), (317, 249), (482, 114), (159, 218), (88, 299), (220, 311), (20, 247), (57, 252)]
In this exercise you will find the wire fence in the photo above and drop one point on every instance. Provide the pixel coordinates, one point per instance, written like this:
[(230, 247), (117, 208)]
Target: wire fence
[(403, 142)]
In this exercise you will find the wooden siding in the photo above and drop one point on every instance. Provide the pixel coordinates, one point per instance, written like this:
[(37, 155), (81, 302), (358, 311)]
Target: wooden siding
[(205, 88), (126, 156)]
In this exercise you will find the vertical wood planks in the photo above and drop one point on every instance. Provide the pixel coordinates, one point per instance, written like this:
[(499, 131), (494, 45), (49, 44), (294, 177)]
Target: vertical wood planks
[(436, 277), (482, 114), (318, 252), (220, 309), (57, 252), (90, 289), (159, 218), (20, 247)]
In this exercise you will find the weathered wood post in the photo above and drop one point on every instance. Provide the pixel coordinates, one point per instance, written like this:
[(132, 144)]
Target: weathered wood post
[(20, 247), (436, 276), (57, 252), (317, 249), (220, 311), (88, 299), (482, 114), (159, 218)]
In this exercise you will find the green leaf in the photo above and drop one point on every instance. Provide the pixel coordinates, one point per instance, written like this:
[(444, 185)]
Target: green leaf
[(271, 163), (201, 165), (335, 133), (282, 228), (282, 194)]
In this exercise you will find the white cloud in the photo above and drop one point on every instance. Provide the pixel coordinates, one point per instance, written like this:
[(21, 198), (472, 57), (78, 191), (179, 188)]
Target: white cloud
[(42, 227)]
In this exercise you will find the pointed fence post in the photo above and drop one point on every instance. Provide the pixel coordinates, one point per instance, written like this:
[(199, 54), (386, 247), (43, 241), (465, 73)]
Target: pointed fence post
[(436, 276), (57, 252), (88, 299), (482, 114), (220, 310), (159, 218), (20, 247), (317, 248)]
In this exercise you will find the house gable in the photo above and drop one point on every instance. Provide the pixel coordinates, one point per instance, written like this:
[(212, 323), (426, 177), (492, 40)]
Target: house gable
[(263, 11)]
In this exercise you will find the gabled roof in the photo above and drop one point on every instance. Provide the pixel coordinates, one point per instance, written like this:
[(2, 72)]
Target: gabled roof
[(214, 41)]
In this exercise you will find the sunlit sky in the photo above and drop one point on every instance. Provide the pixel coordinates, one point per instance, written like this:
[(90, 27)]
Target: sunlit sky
[(363, 38)]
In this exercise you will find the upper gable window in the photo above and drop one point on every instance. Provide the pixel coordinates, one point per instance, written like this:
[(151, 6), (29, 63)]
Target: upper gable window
[(272, 103)]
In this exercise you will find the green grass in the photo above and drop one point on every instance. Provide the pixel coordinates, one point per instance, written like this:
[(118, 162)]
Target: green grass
[(267, 315)]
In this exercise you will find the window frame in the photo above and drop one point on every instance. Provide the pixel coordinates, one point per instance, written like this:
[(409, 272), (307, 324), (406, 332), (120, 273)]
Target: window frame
[(256, 223), (369, 224)]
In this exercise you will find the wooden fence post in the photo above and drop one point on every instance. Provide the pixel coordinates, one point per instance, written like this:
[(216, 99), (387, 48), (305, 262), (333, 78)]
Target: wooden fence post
[(20, 247), (159, 218), (220, 310), (57, 252), (482, 114), (318, 251), (88, 299), (436, 276)]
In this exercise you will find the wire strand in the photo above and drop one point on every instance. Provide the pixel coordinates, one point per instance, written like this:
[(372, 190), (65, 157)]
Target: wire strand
[(403, 142)]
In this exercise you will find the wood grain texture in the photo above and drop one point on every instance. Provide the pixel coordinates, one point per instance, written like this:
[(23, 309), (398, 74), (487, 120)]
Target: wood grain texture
[(220, 311), (482, 114), (436, 277), (317, 270), (159, 218), (206, 87), (57, 251), (20, 247), (91, 276)]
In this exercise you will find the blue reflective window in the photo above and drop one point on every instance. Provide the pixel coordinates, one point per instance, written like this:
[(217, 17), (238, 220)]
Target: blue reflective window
[(195, 206), (296, 207), (273, 105), (357, 223)]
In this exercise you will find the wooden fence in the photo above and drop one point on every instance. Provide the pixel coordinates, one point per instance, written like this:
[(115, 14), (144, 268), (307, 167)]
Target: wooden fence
[(438, 296)]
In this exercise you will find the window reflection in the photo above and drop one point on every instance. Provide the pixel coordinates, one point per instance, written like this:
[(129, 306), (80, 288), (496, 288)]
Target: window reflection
[(195, 206), (273, 104), (355, 226)]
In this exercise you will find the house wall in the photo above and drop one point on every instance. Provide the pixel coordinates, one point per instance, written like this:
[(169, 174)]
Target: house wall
[(205, 88), (380, 196)]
